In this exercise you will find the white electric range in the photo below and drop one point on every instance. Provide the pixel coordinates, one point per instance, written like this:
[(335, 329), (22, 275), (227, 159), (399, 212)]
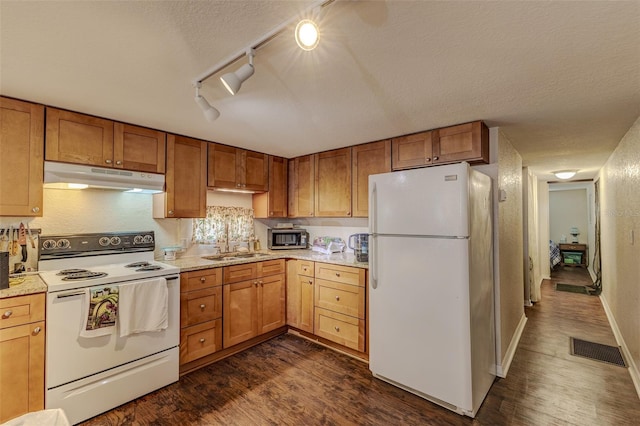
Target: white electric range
[(86, 376)]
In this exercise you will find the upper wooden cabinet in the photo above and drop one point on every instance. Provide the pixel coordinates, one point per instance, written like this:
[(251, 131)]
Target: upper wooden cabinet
[(186, 179), (274, 202), (465, 142), (333, 183), (234, 168), (21, 151), (301, 186), (367, 159), (83, 139), (412, 151)]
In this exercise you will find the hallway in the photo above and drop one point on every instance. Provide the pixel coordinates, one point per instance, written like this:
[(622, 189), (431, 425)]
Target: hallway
[(546, 385), (290, 381)]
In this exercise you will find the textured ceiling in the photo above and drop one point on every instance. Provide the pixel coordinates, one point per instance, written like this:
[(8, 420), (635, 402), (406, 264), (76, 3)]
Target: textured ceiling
[(561, 79)]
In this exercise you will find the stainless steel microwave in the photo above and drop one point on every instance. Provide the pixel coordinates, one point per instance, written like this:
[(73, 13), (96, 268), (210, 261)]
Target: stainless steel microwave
[(287, 239)]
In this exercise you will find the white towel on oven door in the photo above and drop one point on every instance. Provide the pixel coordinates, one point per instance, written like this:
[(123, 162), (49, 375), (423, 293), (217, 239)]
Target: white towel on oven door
[(143, 306)]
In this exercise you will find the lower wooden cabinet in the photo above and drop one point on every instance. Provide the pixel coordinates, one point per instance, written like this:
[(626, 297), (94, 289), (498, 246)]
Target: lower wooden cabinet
[(22, 349), (340, 305), (300, 294), (256, 305), (200, 314)]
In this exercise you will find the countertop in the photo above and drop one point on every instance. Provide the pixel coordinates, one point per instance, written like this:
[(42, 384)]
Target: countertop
[(194, 263), (32, 284)]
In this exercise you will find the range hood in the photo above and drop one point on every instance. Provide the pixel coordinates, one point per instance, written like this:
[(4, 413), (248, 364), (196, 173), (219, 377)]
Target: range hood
[(59, 175)]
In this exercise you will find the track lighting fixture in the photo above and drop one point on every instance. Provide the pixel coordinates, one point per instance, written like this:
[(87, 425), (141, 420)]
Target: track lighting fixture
[(307, 34), (210, 113), (233, 80)]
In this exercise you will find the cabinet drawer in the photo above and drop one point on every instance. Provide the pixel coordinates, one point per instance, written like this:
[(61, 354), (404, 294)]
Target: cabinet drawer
[(200, 306), (306, 268), (200, 340), (271, 267), (21, 310), (197, 280), (342, 329), (341, 274), (575, 247), (343, 298), (237, 273)]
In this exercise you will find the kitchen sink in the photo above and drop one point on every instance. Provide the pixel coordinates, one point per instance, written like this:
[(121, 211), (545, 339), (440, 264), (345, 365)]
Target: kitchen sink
[(234, 256)]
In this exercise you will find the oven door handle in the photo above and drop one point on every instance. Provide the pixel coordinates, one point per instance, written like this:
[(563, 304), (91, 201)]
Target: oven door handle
[(75, 293), (173, 277)]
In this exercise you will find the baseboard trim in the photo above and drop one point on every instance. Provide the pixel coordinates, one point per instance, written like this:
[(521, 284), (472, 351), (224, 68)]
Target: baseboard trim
[(503, 368), (633, 369)]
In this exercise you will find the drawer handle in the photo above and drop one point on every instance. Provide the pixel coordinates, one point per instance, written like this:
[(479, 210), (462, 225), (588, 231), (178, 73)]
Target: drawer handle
[(37, 330), (202, 306), (202, 340), (337, 328), (255, 283), (261, 283), (338, 298), (310, 282), (7, 314), (202, 279), (337, 274)]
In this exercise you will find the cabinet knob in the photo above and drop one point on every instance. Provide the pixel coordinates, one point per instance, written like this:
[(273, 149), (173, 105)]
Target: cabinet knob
[(118, 162), (310, 282), (202, 279), (427, 159), (255, 283), (261, 283), (107, 161), (237, 185), (337, 328), (202, 340), (35, 209), (270, 213), (202, 306), (311, 214), (7, 314), (338, 298), (170, 212), (435, 158), (337, 274), (37, 330)]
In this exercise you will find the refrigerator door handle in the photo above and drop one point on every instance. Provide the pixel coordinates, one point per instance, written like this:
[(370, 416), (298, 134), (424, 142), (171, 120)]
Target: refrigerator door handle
[(372, 227)]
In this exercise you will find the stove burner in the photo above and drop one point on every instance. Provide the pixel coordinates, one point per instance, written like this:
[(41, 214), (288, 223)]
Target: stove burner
[(149, 267), (71, 271), (85, 275), (137, 264)]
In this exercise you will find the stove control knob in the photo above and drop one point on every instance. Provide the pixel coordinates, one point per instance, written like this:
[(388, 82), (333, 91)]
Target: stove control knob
[(63, 244), (49, 244), (104, 241), (148, 239), (138, 239), (115, 241)]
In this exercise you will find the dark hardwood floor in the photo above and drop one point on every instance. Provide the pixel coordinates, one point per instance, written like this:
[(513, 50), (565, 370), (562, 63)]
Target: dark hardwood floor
[(291, 381)]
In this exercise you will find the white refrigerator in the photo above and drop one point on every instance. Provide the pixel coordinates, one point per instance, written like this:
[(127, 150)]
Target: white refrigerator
[(431, 314)]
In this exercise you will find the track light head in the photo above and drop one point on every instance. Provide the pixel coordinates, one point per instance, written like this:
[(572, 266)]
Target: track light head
[(210, 113), (307, 34), (233, 80)]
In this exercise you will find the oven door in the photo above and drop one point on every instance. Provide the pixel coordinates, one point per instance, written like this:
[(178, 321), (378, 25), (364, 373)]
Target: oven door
[(71, 357)]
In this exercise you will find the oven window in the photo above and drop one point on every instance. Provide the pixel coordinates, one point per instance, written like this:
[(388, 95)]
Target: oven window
[(212, 228)]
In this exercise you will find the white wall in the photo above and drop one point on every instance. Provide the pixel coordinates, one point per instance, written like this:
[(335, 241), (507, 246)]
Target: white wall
[(567, 209)]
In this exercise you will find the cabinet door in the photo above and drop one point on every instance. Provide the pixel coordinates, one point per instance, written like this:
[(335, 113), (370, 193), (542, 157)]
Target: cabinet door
[(186, 177), (139, 148), (273, 203), (271, 303), (21, 151), (222, 166), (21, 369), (79, 138), (240, 312), (253, 171), (368, 159), (465, 142), (300, 293), (411, 151), (333, 183), (301, 186)]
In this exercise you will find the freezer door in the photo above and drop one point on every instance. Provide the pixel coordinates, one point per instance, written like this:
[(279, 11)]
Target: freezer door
[(419, 317), (428, 201)]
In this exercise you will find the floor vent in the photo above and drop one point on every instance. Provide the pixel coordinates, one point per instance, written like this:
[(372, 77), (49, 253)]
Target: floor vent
[(572, 288), (597, 352)]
